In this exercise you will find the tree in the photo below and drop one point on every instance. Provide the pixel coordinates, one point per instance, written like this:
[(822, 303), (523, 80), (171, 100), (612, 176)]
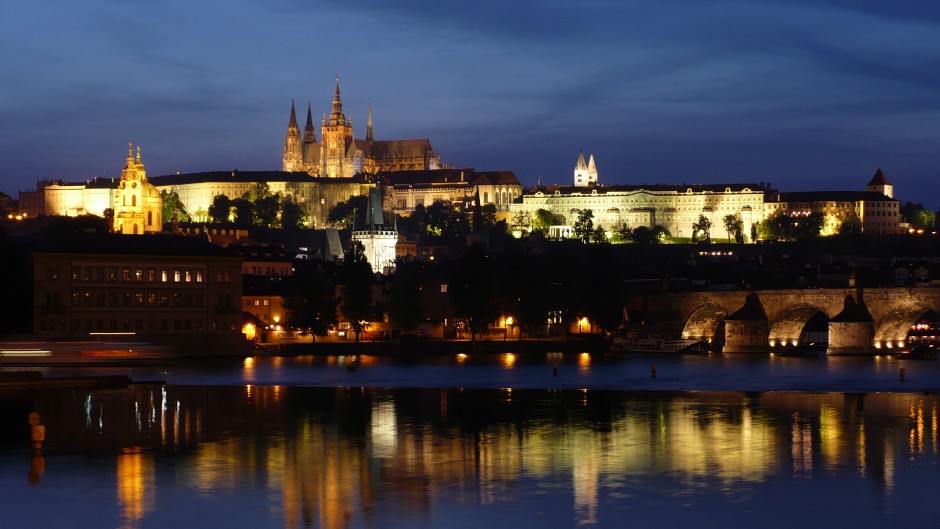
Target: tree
[(734, 226), (604, 304), (584, 226), (522, 291), (355, 274), (471, 291), (542, 220), (293, 216), (343, 214), (444, 218), (220, 211), (405, 310), (244, 212), (309, 301), (701, 229), (599, 236), (522, 221), (173, 206), (917, 216), (623, 233), (265, 205), (659, 233), (642, 235)]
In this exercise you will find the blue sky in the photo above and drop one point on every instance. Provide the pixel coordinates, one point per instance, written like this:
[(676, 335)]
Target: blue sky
[(805, 94)]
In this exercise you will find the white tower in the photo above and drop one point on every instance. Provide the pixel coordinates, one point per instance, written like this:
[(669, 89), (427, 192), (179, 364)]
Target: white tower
[(378, 241), (585, 174)]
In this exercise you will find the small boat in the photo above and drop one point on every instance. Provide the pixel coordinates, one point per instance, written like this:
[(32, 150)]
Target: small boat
[(919, 352), (658, 344), (46, 353)]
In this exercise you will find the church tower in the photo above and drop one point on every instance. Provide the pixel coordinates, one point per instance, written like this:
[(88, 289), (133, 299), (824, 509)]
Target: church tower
[(335, 138), (293, 156), (585, 174), (369, 137), (137, 205), (310, 136), (880, 184)]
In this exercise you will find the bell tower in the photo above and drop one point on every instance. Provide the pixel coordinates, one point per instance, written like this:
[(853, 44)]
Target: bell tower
[(336, 135), (293, 156)]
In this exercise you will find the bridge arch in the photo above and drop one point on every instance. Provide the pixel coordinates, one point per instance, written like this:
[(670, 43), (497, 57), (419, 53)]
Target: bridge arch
[(788, 326), (704, 321), (891, 332)]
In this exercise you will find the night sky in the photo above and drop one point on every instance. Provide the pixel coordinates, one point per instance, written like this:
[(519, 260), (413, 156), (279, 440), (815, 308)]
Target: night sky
[(806, 95)]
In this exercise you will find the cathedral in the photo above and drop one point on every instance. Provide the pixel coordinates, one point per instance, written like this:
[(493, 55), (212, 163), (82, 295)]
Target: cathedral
[(339, 154)]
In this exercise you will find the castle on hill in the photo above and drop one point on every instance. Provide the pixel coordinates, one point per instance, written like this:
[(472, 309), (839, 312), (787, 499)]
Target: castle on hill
[(340, 154)]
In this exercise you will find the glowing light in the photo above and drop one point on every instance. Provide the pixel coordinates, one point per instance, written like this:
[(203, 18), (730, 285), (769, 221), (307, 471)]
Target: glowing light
[(584, 360), (509, 320), (509, 359), (461, 358)]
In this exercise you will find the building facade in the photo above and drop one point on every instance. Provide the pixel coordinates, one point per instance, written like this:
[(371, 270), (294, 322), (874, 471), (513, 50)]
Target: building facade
[(171, 290), (339, 154), (405, 190), (136, 203)]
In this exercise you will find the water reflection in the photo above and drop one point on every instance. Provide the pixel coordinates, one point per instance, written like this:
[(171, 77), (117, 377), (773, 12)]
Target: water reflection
[(353, 457)]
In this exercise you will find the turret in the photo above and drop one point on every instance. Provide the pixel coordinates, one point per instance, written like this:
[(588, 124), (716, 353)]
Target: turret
[(337, 117), (581, 171), (293, 159), (880, 184), (310, 135), (369, 125)]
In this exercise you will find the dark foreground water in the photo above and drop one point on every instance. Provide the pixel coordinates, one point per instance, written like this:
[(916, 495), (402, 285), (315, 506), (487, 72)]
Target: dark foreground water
[(477, 443)]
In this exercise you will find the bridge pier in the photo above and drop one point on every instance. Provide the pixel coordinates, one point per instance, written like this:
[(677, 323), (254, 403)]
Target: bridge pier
[(747, 330)]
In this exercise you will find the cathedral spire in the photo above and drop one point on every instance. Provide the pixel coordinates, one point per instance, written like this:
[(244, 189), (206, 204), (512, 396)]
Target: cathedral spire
[(310, 136), (369, 125), (293, 116), (337, 117)]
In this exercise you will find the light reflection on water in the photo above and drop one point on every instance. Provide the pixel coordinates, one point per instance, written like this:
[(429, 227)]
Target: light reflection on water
[(273, 456)]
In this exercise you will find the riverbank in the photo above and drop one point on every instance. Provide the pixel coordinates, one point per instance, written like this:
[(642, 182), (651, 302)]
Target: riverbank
[(591, 344)]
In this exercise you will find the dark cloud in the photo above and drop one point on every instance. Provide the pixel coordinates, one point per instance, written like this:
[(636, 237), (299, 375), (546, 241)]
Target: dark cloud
[(804, 93)]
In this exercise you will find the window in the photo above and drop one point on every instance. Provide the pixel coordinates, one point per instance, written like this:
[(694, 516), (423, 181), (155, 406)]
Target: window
[(188, 276), (163, 276), (199, 276), (125, 274), (176, 276), (151, 275), (138, 275)]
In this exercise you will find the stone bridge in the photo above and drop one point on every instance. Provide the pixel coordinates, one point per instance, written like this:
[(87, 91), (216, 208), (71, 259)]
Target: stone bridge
[(860, 321)]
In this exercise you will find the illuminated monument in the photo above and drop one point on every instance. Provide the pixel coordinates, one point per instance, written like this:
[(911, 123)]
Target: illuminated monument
[(137, 205), (339, 154)]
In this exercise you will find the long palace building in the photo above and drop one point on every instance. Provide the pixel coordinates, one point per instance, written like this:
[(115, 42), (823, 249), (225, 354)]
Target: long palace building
[(677, 206)]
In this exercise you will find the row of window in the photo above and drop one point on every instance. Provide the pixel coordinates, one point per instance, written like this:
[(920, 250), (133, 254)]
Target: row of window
[(130, 274), (114, 325), (88, 298)]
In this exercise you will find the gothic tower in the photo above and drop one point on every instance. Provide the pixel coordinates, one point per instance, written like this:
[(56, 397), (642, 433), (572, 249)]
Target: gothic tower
[(335, 138), (310, 136), (293, 157), (369, 137)]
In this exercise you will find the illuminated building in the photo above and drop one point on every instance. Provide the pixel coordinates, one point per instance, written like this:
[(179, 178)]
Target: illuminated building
[(873, 211), (377, 238), (408, 189), (179, 291), (137, 205), (339, 154)]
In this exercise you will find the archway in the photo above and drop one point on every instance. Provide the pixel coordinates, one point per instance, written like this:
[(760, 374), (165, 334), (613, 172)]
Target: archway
[(803, 325), (704, 323), (894, 329)]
